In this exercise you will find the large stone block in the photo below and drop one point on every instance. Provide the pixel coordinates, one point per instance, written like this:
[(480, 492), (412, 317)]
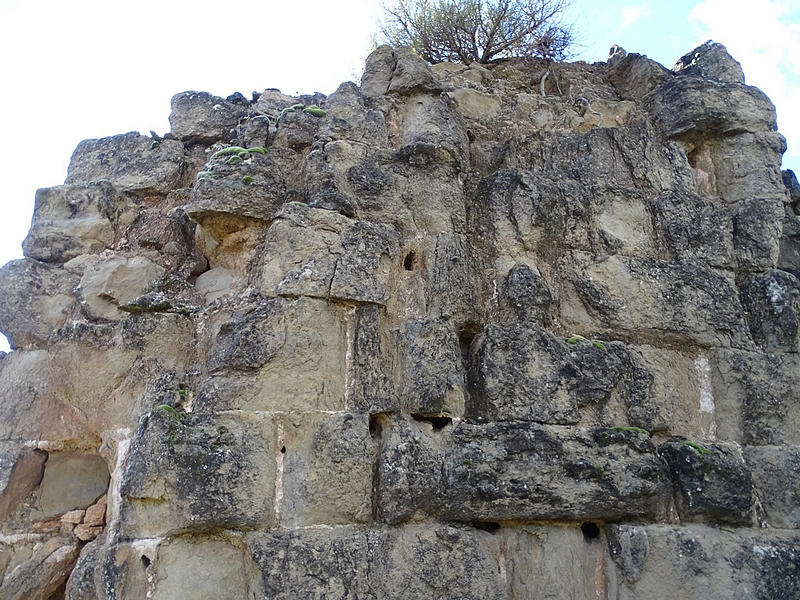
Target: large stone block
[(71, 480), (200, 117), (697, 561), (130, 162), (772, 300), (697, 106), (422, 561), (70, 220), (326, 464), (279, 354), (757, 397), (775, 471), (711, 480), (110, 283), (522, 372), (194, 473), (320, 253), (38, 566), (433, 379), (521, 471), (36, 300), (650, 301)]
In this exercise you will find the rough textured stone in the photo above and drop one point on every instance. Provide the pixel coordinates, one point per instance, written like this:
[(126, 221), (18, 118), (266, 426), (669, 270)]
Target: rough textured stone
[(279, 354), (757, 397), (772, 300), (327, 464), (712, 482), (710, 61), (412, 562), (510, 331), (110, 283), (619, 296), (203, 118), (36, 300), (522, 372), (775, 471), (507, 471), (130, 162), (195, 473), (697, 561), (72, 220)]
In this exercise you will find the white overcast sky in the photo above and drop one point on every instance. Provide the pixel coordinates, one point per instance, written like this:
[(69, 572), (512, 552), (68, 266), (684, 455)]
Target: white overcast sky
[(76, 69)]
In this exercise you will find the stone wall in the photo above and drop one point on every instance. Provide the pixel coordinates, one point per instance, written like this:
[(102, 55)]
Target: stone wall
[(517, 332)]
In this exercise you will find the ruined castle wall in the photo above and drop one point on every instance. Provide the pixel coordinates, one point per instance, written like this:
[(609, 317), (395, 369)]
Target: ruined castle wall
[(517, 332)]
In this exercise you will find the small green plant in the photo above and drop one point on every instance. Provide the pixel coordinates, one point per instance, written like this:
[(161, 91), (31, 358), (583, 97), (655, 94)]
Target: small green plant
[(700, 449), (631, 428), (579, 338), (205, 175), (238, 153), (247, 180), (314, 110), (170, 410)]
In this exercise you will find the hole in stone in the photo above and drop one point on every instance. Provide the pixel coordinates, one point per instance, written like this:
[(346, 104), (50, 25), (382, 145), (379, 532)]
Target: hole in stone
[(489, 526), (145, 561), (409, 261), (375, 426), (590, 531), (438, 423), (283, 449)]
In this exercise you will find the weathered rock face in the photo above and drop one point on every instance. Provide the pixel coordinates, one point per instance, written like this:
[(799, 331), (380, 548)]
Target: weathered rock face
[(460, 332)]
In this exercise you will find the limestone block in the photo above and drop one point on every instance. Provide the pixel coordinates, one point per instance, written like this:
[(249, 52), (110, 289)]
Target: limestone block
[(199, 117), (692, 105), (697, 561), (319, 253), (453, 281), (81, 584), (649, 300), (711, 480), (71, 481), (70, 220), (757, 226), (710, 61), (557, 562), (695, 228), (747, 167), (433, 378), (214, 284), (202, 569), (190, 472), (130, 162), (110, 283), (378, 72), (279, 354), (36, 300), (527, 294), (125, 359), (475, 104), (41, 570), (775, 471), (373, 387), (757, 397), (522, 372), (634, 76), (86, 533), (511, 471), (21, 470), (351, 120), (680, 399), (389, 563), (789, 256), (772, 301), (327, 464), (235, 193), (411, 74)]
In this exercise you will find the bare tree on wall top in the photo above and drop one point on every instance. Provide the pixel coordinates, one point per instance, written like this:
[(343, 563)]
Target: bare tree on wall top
[(478, 30)]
